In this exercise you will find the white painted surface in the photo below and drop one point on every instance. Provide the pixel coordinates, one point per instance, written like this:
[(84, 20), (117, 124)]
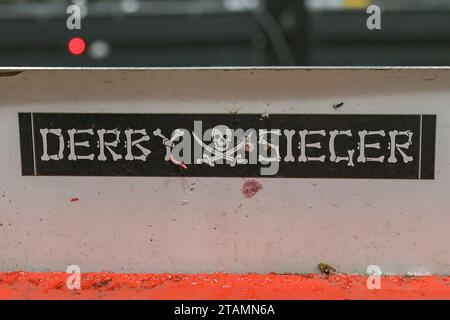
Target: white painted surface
[(129, 224)]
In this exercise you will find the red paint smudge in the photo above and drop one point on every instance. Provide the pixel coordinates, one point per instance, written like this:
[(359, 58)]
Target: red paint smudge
[(250, 188), (219, 286), (74, 200)]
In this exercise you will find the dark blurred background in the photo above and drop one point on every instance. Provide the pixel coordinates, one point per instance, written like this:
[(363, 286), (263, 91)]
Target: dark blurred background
[(175, 33)]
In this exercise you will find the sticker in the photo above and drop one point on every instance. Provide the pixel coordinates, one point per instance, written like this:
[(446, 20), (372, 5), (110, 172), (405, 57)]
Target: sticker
[(228, 145)]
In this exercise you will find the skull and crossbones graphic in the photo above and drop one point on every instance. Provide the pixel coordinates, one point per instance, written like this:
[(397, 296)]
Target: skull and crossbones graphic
[(222, 136)]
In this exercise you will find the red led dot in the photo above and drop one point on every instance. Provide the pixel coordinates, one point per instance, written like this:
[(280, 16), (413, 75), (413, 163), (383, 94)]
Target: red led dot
[(76, 46)]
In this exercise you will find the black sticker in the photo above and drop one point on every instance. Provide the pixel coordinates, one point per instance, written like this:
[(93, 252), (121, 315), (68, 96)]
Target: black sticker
[(228, 145)]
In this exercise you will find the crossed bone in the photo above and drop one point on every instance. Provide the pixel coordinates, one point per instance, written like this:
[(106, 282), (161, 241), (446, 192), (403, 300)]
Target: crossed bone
[(169, 143)]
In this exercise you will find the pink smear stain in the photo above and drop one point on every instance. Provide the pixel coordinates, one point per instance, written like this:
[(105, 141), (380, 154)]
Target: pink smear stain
[(74, 200), (250, 188), (176, 162)]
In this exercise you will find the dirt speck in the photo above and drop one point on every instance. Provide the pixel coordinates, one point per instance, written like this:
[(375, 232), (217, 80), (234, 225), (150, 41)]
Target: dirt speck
[(250, 188), (409, 276), (265, 114), (338, 105), (248, 145), (74, 199), (103, 283), (325, 268)]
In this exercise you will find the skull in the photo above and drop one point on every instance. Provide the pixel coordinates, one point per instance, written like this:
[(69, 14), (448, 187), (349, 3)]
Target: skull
[(222, 136)]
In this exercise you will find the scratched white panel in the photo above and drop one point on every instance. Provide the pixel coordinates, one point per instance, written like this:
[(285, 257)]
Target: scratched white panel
[(153, 224)]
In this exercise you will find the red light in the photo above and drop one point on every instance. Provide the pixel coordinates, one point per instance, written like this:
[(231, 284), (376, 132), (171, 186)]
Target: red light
[(76, 46)]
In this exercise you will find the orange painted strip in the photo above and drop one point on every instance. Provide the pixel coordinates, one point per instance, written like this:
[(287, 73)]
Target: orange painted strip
[(104, 285)]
